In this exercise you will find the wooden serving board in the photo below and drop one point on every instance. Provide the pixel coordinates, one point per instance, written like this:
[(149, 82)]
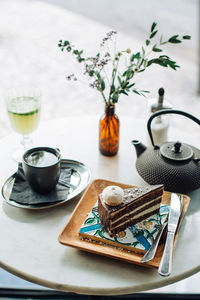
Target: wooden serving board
[(70, 233)]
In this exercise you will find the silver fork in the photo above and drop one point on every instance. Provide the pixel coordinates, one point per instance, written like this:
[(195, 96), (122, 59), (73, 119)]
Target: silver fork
[(149, 255)]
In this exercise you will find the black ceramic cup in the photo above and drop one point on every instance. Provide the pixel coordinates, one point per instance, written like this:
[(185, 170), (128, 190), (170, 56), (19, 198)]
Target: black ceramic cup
[(41, 167)]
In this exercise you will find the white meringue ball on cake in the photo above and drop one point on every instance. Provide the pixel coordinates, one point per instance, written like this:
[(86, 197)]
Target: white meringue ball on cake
[(113, 195)]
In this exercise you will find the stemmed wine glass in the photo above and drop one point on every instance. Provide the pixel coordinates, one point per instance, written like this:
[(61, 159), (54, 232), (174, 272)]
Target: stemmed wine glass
[(23, 107)]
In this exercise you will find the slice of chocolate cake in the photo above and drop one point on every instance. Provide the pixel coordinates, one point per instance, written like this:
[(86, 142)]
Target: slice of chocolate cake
[(136, 204)]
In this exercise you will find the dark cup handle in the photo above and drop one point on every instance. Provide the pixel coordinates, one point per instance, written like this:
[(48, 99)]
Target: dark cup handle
[(168, 111)]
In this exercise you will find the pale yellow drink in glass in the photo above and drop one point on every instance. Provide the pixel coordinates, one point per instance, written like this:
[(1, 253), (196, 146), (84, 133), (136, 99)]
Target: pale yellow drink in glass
[(23, 113)]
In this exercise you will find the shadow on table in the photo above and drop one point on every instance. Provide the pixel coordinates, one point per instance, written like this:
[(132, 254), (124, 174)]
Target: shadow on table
[(28, 294), (13, 287), (194, 203)]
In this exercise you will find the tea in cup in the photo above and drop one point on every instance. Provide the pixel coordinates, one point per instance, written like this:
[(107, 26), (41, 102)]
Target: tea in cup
[(42, 167)]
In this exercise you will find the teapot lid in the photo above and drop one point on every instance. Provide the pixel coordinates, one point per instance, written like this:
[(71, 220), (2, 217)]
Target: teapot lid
[(176, 151)]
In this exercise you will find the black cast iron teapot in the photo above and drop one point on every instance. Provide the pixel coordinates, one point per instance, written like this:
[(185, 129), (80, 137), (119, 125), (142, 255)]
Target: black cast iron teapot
[(174, 164)]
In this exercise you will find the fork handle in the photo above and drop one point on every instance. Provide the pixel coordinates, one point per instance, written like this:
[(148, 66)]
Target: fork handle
[(165, 267), (149, 255)]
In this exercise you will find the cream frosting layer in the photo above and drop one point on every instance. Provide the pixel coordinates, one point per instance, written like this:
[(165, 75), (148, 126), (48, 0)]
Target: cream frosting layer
[(136, 200), (151, 209), (138, 208)]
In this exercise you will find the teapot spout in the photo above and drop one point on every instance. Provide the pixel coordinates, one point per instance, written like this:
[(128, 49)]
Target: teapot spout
[(139, 147)]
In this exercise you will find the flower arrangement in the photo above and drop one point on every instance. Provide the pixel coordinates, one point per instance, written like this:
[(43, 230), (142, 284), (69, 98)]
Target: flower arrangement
[(105, 70)]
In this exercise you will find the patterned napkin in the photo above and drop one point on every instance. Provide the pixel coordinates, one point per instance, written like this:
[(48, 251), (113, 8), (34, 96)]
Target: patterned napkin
[(22, 192)]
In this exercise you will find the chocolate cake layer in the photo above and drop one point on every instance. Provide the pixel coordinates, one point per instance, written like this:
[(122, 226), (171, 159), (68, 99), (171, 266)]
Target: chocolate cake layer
[(133, 213), (134, 203), (138, 203), (130, 223)]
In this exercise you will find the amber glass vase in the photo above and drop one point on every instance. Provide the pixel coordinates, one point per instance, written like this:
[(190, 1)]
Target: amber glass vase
[(109, 132)]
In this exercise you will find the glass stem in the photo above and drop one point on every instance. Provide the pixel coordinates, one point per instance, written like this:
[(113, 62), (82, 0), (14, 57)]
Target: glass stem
[(26, 141)]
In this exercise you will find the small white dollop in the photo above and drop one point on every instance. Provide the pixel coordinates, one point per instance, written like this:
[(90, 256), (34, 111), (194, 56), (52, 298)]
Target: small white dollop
[(113, 195)]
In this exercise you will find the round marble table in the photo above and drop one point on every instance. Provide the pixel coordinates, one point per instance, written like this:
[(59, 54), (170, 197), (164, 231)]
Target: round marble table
[(29, 247)]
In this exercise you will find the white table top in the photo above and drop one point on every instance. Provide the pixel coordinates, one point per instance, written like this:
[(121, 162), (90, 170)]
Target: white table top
[(29, 246)]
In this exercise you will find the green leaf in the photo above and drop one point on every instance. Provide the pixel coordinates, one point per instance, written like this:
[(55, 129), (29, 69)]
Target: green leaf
[(132, 57), (130, 85), (136, 92), (174, 36), (142, 94), (174, 40), (153, 34), (157, 61), (119, 79), (137, 56), (164, 62), (112, 88), (103, 85), (164, 56), (124, 84), (91, 73), (125, 73), (173, 65), (144, 91), (98, 76), (187, 37), (143, 51), (147, 42), (129, 74), (154, 49), (115, 97), (66, 43), (140, 62), (123, 92), (153, 26), (150, 62), (80, 59), (145, 63)]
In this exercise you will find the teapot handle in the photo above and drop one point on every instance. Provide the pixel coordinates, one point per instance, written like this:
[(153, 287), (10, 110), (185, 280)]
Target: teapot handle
[(168, 111)]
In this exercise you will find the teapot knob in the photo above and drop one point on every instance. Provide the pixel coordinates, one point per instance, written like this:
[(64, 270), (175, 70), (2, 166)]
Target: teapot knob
[(176, 151), (177, 147)]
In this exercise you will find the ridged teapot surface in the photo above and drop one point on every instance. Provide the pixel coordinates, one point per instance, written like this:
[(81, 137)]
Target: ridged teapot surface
[(174, 164)]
